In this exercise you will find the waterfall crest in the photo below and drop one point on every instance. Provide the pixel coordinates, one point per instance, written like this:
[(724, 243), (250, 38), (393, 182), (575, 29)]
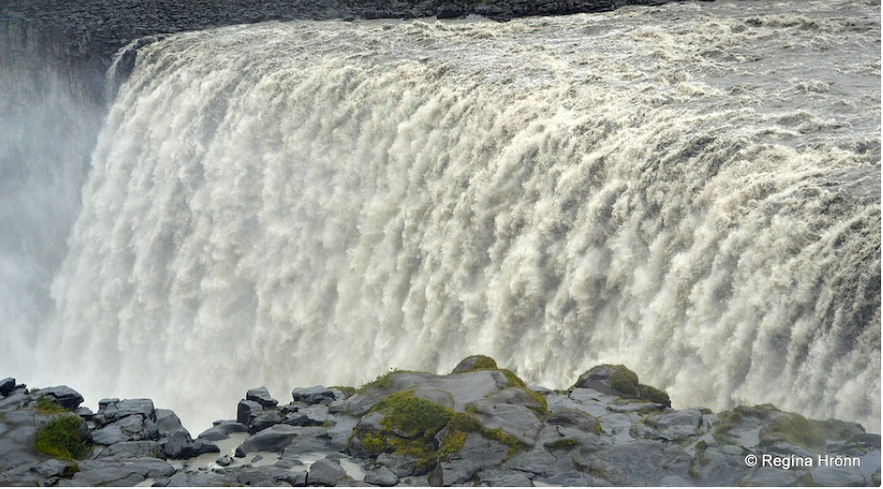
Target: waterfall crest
[(289, 204)]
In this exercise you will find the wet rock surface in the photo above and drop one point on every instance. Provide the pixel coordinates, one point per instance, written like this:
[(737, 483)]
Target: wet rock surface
[(474, 427)]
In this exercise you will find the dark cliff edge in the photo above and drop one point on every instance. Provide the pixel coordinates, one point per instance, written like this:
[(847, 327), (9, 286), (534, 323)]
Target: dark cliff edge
[(478, 425), (80, 38)]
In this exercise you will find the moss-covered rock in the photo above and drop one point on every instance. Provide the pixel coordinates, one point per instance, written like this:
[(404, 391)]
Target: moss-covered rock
[(619, 380), (796, 430), (45, 405), (759, 411), (62, 437), (562, 444), (475, 362), (542, 407), (452, 438), (408, 427)]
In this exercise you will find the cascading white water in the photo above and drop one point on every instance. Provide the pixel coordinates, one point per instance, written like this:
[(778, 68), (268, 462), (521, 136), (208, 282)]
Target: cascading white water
[(674, 189)]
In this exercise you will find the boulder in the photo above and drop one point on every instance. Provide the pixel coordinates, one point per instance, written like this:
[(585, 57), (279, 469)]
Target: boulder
[(62, 395), (112, 410), (263, 420), (166, 422), (261, 396), (173, 443), (296, 419), (474, 362), (197, 448), (14, 400), (618, 380), (253, 477), (400, 465), (246, 411), (312, 395), (326, 472), (515, 420), (222, 431), (273, 439), (110, 435), (6, 386), (453, 472), (179, 445), (297, 479), (381, 476), (57, 468)]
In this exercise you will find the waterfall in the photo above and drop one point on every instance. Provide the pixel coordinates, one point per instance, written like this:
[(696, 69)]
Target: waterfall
[(677, 190)]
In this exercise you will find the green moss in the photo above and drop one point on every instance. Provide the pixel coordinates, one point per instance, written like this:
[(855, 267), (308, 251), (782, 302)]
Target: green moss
[(841, 430), (379, 383), (542, 407), (59, 437), (504, 438), (455, 433), (652, 423), (623, 380), (47, 406), (653, 394), (705, 411), (796, 430), (408, 427), (482, 362), (588, 468), (760, 411), (461, 424), (562, 444), (701, 445), (412, 416), (726, 422)]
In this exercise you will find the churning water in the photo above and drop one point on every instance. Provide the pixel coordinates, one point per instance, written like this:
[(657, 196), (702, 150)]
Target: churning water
[(692, 190)]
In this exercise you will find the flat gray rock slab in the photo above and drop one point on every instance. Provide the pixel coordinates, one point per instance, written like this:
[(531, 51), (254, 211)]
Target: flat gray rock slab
[(119, 472), (515, 420), (129, 449), (222, 431), (642, 462), (838, 477), (503, 478), (273, 439), (464, 388)]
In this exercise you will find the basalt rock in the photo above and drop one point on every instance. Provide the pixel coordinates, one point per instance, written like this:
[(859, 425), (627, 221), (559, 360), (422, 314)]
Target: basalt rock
[(479, 426)]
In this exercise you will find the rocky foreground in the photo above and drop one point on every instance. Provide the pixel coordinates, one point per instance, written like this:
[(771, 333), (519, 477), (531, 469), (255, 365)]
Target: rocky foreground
[(479, 425)]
